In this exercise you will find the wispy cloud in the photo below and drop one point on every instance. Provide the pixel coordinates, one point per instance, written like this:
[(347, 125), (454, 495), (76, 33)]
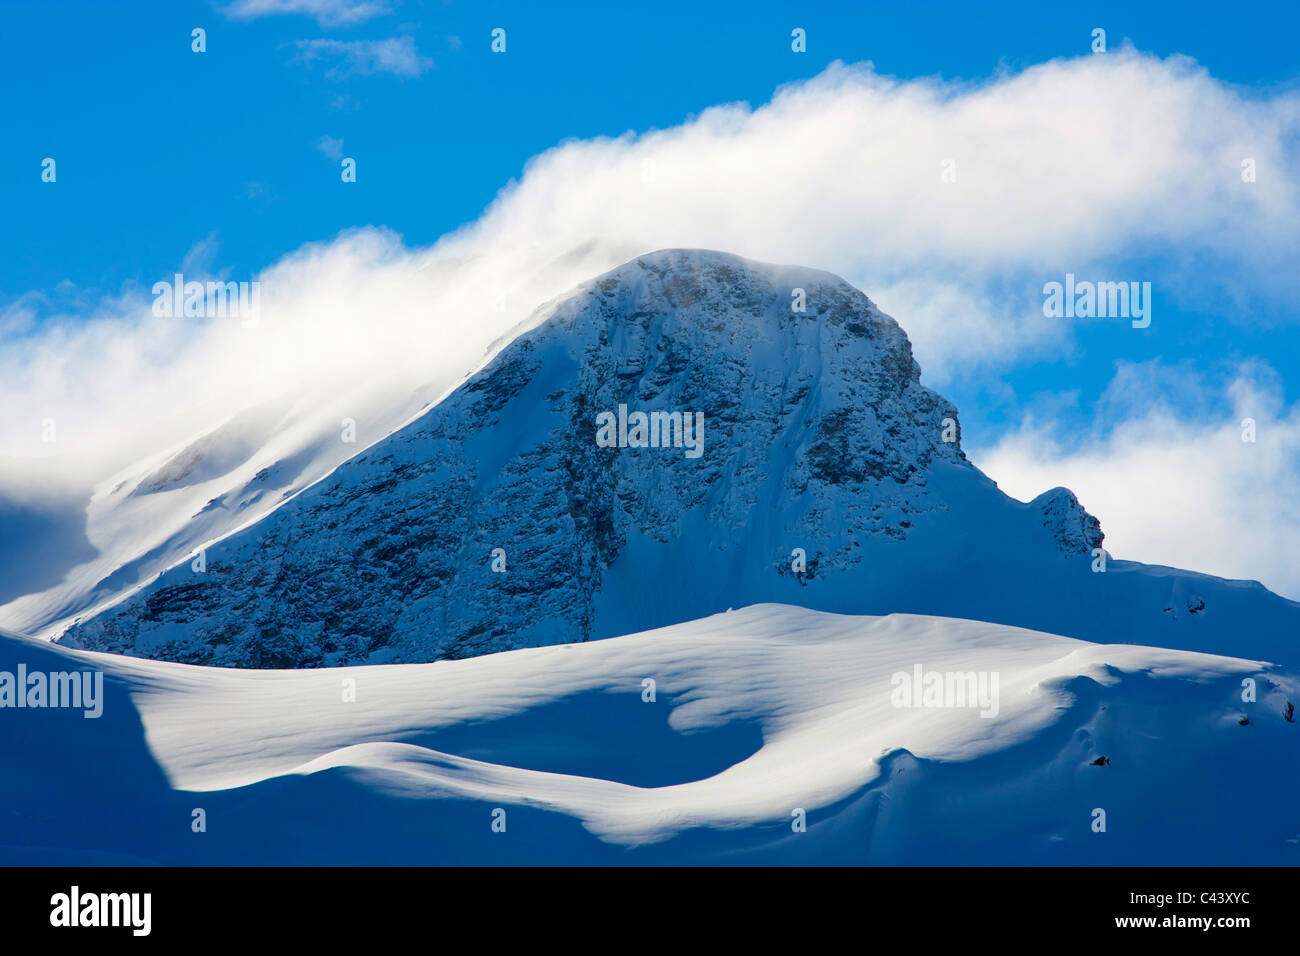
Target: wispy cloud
[(328, 13), (201, 256), (396, 55), (330, 147), (1081, 165)]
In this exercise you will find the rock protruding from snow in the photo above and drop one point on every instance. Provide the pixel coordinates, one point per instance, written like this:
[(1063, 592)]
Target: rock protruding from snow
[(1074, 530)]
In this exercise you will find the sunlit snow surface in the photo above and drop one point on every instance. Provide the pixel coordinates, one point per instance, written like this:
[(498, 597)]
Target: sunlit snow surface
[(759, 713)]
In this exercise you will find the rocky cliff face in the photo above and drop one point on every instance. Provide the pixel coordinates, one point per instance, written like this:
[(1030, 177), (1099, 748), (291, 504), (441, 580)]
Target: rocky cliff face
[(688, 431)]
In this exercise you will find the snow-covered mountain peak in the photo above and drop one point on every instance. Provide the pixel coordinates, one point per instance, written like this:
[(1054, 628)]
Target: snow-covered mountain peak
[(663, 310), (725, 411), (793, 364), (688, 432)]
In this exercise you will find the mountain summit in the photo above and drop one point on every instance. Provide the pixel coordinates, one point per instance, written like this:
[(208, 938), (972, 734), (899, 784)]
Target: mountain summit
[(687, 433)]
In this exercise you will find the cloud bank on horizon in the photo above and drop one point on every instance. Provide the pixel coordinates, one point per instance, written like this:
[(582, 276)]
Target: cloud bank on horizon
[(949, 204)]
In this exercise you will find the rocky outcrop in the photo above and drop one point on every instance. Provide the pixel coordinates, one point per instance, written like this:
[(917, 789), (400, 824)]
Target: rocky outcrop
[(1073, 529)]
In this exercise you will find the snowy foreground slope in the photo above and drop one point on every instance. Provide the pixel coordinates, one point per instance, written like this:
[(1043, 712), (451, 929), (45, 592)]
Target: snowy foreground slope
[(759, 713), (827, 477)]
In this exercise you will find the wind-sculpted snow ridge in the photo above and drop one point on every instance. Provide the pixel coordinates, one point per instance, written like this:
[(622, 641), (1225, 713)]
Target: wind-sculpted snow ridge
[(772, 734), (793, 456)]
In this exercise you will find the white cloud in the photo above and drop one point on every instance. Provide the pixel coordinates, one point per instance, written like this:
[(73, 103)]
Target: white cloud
[(359, 314), (328, 13), (1177, 487), (1075, 165), (396, 55)]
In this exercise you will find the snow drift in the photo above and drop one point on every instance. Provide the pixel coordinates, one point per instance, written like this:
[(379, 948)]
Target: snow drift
[(769, 735)]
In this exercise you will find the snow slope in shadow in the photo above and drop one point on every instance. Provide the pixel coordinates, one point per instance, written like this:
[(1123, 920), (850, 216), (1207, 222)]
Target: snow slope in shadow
[(761, 717)]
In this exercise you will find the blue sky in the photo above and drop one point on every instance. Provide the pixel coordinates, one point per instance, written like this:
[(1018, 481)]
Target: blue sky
[(159, 147), (225, 157)]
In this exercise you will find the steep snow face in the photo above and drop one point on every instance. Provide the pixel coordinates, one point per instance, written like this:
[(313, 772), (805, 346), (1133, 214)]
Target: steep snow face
[(790, 454), (771, 734)]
